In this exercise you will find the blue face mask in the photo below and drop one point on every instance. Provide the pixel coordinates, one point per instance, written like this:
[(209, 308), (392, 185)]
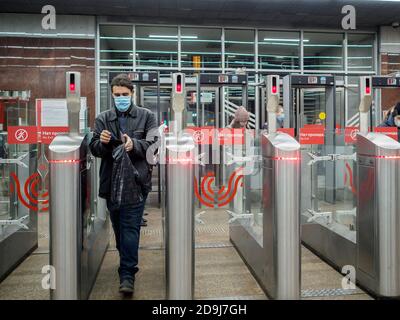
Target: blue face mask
[(122, 103)]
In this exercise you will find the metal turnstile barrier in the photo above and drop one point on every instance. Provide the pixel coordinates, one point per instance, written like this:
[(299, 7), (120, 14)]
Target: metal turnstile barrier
[(378, 214), (79, 233), (281, 202), (178, 155), (180, 217)]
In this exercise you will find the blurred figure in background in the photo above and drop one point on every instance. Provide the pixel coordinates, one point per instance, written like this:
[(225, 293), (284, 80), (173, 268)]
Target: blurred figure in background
[(280, 118), (392, 118), (240, 119)]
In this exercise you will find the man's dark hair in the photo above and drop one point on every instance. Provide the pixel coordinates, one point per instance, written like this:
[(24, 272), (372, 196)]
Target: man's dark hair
[(122, 80)]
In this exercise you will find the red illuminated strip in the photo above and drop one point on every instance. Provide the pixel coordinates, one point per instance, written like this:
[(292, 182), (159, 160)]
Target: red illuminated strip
[(65, 161), (286, 158), (274, 89), (381, 157), (72, 87)]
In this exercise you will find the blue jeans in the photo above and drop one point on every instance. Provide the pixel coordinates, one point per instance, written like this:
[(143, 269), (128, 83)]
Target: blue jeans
[(126, 224)]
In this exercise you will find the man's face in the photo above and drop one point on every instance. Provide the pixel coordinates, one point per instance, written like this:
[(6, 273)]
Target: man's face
[(118, 91)]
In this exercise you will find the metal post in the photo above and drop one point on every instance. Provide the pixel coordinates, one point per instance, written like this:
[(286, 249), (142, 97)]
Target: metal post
[(180, 150), (66, 158), (281, 204), (281, 170)]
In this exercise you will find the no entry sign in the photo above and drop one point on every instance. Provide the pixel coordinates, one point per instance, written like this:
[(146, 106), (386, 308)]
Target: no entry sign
[(22, 134)]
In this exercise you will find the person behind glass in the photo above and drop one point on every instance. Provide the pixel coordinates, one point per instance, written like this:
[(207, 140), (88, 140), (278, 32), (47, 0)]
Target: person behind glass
[(240, 119), (134, 126), (280, 117), (392, 119)]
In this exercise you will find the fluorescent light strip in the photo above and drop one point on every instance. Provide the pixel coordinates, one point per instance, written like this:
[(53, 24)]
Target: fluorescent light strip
[(284, 40), (280, 44), (171, 36)]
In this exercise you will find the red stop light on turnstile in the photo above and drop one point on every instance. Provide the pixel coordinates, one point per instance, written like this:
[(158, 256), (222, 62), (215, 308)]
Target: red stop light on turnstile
[(274, 87), (178, 85), (72, 82), (367, 85)]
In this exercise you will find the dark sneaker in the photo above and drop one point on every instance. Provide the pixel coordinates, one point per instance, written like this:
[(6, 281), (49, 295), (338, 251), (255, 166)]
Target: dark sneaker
[(127, 286)]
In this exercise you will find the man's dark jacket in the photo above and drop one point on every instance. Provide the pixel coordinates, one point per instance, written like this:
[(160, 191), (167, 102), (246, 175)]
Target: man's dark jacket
[(141, 128)]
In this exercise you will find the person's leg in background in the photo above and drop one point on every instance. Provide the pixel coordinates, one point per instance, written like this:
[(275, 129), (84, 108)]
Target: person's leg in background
[(144, 221)]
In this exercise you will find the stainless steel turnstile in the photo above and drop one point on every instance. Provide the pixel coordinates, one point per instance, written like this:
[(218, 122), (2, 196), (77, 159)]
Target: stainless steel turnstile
[(378, 214), (275, 260), (79, 226), (180, 217), (281, 196), (177, 156)]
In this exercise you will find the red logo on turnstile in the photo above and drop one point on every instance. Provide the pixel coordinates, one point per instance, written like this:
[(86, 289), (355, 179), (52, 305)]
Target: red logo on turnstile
[(224, 196), (31, 192)]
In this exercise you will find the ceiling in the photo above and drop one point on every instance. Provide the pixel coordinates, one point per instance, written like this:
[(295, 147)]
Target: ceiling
[(252, 13)]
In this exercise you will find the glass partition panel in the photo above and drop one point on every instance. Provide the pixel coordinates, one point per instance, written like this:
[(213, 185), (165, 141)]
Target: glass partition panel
[(246, 208), (239, 48), (156, 46), (201, 48), (332, 200), (19, 184), (323, 51), (278, 50), (116, 45), (360, 52)]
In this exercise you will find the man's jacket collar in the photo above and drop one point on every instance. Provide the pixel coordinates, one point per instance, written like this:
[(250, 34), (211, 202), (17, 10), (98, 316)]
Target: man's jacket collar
[(132, 112)]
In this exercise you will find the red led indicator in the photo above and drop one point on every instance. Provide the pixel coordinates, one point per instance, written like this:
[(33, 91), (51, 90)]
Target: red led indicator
[(72, 87), (367, 90), (73, 161), (178, 88), (286, 158), (274, 89)]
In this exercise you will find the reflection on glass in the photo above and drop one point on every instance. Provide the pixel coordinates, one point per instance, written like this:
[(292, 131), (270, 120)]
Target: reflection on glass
[(201, 48), (15, 112), (360, 52), (246, 208), (239, 48), (278, 50), (116, 45), (156, 46), (323, 51)]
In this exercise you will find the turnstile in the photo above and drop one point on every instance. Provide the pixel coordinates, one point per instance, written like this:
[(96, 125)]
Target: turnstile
[(378, 214), (79, 227), (378, 208), (275, 259), (178, 168), (281, 195)]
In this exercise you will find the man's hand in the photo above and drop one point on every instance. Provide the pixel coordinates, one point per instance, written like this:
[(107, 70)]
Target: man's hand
[(128, 143), (105, 136)]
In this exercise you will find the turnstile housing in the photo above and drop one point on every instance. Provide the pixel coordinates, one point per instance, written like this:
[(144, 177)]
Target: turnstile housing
[(281, 207), (78, 236), (378, 214), (179, 216)]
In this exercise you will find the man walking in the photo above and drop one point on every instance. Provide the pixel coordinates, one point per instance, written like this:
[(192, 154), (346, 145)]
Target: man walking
[(136, 128)]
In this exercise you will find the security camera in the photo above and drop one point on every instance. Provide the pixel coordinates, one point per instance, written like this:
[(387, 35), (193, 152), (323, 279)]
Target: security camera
[(395, 25)]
